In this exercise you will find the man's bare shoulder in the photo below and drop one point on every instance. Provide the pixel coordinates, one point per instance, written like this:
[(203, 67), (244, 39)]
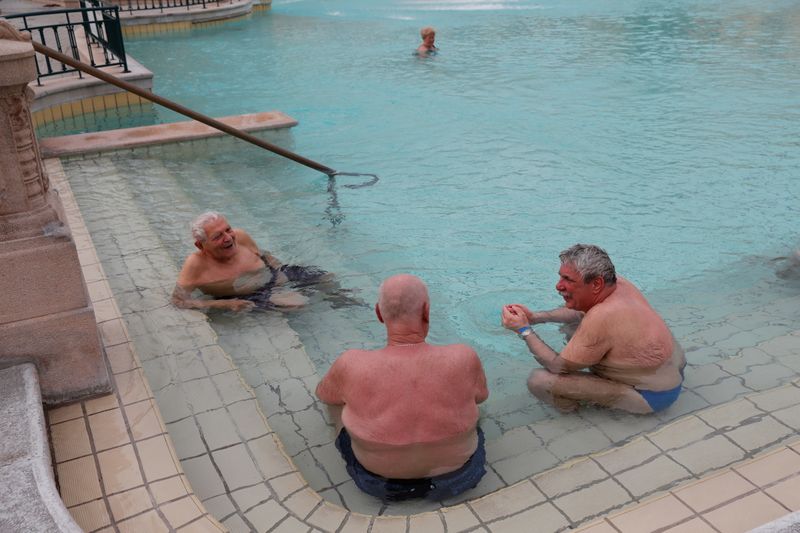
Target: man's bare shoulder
[(461, 351), (244, 239), (460, 348), (355, 354), (628, 290), (193, 266)]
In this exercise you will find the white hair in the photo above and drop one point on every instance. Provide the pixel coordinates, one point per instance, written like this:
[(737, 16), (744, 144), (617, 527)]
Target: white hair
[(199, 224)]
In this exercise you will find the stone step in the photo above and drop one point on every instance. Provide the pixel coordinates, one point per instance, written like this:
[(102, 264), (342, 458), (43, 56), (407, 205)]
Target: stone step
[(29, 500), (787, 524)]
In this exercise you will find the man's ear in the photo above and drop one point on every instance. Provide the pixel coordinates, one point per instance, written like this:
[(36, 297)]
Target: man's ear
[(198, 245), (598, 284), (426, 313), (378, 313)]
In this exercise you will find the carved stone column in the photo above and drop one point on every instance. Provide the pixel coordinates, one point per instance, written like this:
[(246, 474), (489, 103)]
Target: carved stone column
[(45, 313)]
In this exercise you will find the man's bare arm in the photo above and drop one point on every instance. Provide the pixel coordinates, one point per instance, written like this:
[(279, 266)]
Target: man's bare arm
[(183, 299), (271, 260), (515, 319), (560, 314), (247, 241), (547, 357), (335, 415)]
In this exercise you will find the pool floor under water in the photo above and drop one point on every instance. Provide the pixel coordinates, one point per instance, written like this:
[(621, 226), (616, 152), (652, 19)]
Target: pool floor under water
[(743, 343)]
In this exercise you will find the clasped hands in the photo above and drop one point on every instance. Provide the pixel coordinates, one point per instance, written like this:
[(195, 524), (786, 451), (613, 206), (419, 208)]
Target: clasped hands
[(516, 316)]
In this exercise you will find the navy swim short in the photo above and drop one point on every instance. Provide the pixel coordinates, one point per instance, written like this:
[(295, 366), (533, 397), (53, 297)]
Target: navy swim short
[(302, 275), (435, 488), (299, 276)]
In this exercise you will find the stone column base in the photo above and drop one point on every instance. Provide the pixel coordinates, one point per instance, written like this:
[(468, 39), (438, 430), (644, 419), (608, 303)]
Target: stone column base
[(66, 349)]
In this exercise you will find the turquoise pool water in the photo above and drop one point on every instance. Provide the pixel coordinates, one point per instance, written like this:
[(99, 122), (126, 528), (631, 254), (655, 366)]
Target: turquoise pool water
[(666, 132)]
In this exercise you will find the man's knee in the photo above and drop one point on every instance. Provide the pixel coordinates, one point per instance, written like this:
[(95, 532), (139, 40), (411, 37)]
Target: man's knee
[(288, 299), (539, 382)]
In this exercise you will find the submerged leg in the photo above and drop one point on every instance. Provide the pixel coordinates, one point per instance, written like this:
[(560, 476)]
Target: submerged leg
[(566, 391), (323, 282), (287, 299)]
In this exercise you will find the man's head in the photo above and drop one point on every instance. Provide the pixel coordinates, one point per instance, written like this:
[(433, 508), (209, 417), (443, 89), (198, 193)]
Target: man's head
[(213, 235), (403, 298), (585, 276)]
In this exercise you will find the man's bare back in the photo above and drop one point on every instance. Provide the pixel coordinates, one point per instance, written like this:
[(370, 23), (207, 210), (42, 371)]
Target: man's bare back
[(411, 410), (623, 339)]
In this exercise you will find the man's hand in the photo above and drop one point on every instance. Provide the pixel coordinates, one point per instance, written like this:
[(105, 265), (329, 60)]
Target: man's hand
[(515, 317), (271, 260), (521, 309)]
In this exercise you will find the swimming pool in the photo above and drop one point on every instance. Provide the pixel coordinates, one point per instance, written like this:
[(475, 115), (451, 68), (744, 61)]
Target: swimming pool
[(665, 132)]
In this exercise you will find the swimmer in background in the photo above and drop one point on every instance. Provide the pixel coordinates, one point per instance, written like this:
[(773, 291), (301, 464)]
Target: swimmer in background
[(427, 47), (239, 276)]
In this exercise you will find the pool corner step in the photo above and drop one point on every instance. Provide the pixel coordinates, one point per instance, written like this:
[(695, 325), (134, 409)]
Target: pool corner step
[(105, 141)]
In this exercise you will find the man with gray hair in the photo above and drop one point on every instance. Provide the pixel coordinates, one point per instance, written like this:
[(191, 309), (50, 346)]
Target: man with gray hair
[(409, 410), (622, 354), (229, 266)]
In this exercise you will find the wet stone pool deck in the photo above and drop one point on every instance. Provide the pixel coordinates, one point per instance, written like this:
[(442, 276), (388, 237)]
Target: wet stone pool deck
[(220, 407)]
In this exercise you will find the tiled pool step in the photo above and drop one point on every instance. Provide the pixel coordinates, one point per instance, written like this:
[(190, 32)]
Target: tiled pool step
[(732, 500), (145, 135), (273, 363), (609, 481)]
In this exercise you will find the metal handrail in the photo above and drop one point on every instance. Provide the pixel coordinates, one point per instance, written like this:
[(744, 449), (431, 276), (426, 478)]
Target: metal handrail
[(169, 104), (100, 26)]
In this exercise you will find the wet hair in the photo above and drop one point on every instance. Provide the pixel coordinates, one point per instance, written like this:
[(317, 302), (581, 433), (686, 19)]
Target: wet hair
[(427, 30), (199, 224), (403, 301), (590, 261)]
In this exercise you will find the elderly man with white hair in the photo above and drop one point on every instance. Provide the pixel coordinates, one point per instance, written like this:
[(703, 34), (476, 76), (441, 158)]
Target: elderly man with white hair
[(229, 266)]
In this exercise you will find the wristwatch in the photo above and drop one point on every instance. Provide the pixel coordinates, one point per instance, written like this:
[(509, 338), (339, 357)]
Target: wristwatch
[(524, 332)]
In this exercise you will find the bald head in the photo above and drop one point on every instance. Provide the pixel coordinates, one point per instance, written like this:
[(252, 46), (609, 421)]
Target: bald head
[(402, 297)]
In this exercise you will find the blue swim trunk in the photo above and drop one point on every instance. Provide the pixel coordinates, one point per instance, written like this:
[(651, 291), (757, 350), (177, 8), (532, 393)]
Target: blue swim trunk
[(432, 488), (660, 400)]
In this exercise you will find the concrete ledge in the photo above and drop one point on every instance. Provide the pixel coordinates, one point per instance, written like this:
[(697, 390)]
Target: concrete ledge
[(60, 90), (161, 133), (68, 354), (29, 500), (788, 524), (196, 15)]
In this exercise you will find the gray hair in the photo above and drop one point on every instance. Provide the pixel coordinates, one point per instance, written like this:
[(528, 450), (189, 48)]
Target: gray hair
[(199, 224), (590, 261), (402, 296)]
